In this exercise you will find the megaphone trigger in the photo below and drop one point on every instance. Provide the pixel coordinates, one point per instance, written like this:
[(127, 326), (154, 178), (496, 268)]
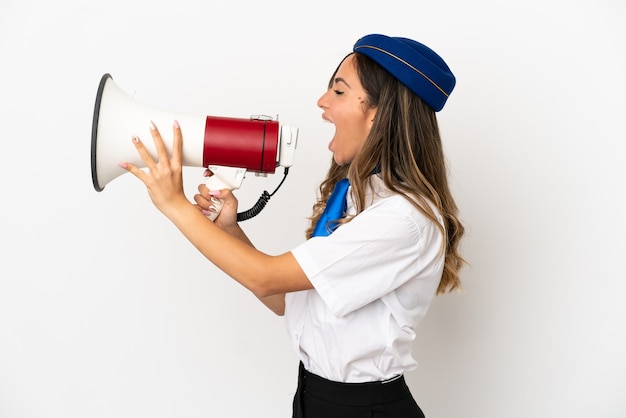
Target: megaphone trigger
[(224, 177)]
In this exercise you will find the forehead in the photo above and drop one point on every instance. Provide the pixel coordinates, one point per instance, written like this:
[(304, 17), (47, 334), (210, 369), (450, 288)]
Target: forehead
[(347, 71)]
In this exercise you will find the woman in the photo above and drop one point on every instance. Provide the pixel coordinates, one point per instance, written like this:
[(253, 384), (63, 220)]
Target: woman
[(353, 292)]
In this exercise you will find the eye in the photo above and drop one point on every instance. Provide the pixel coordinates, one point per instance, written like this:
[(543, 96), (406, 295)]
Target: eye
[(338, 92)]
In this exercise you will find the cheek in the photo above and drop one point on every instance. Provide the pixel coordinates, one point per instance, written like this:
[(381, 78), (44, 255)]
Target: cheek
[(359, 130), (351, 129)]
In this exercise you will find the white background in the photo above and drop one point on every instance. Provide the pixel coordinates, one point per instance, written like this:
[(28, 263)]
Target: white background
[(106, 311)]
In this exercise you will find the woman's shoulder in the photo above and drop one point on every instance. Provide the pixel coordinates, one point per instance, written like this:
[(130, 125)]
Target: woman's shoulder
[(393, 205)]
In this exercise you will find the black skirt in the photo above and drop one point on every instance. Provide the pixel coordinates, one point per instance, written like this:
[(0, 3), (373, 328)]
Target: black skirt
[(317, 397)]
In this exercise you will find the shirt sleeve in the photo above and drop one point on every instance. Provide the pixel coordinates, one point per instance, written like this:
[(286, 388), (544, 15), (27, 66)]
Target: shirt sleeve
[(379, 250)]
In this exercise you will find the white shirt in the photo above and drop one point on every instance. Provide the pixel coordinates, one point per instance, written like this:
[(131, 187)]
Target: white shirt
[(374, 279)]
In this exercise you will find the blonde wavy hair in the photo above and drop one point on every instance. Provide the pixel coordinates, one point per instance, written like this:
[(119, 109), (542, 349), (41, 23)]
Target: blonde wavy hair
[(404, 144)]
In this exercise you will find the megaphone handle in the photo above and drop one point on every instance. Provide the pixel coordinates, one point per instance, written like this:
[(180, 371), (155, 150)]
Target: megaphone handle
[(223, 178), (217, 204)]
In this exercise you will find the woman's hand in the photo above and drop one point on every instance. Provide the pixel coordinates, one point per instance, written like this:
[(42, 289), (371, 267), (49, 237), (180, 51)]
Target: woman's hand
[(164, 178), (210, 201)]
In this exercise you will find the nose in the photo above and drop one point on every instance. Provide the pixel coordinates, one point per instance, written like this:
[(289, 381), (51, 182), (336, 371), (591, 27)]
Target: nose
[(322, 103)]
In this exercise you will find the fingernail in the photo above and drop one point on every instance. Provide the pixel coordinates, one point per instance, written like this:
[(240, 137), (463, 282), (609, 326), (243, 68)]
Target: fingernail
[(176, 125), (214, 192), (152, 126), (123, 165), (216, 200), (135, 138), (213, 209)]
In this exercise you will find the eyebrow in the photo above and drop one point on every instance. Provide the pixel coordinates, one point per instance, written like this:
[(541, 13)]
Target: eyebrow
[(342, 80)]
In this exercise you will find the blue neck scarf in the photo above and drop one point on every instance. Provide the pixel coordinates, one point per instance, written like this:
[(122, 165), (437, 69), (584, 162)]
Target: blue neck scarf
[(335, 210)]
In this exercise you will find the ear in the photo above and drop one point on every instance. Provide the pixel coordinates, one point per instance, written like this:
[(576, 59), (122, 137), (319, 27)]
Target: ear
[(371, 115)]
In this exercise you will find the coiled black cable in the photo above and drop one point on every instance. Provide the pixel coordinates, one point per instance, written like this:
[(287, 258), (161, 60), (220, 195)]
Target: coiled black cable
[(260, 204)]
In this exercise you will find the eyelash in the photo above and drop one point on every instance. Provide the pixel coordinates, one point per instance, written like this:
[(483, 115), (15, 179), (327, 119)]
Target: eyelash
[(338, 92)]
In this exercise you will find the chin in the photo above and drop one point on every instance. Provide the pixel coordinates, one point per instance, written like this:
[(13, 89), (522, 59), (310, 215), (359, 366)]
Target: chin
[(340, 162)]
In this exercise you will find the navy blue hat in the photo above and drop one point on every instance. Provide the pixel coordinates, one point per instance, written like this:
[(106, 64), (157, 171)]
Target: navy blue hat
[(413, 64)]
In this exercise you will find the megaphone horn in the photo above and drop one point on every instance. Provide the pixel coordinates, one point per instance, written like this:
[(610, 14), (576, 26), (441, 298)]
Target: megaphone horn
[(228, 146)]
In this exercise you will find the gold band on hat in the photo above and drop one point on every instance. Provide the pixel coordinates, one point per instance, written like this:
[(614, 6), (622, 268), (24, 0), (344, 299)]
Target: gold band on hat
[(405, 63)]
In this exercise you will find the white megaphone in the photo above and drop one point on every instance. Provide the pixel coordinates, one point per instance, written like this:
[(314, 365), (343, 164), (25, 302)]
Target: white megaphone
[(229, 147)]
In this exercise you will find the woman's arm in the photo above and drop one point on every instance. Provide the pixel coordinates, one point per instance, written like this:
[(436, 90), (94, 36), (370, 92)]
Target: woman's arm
[(227, 221), (264, 275), (276, 303)]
